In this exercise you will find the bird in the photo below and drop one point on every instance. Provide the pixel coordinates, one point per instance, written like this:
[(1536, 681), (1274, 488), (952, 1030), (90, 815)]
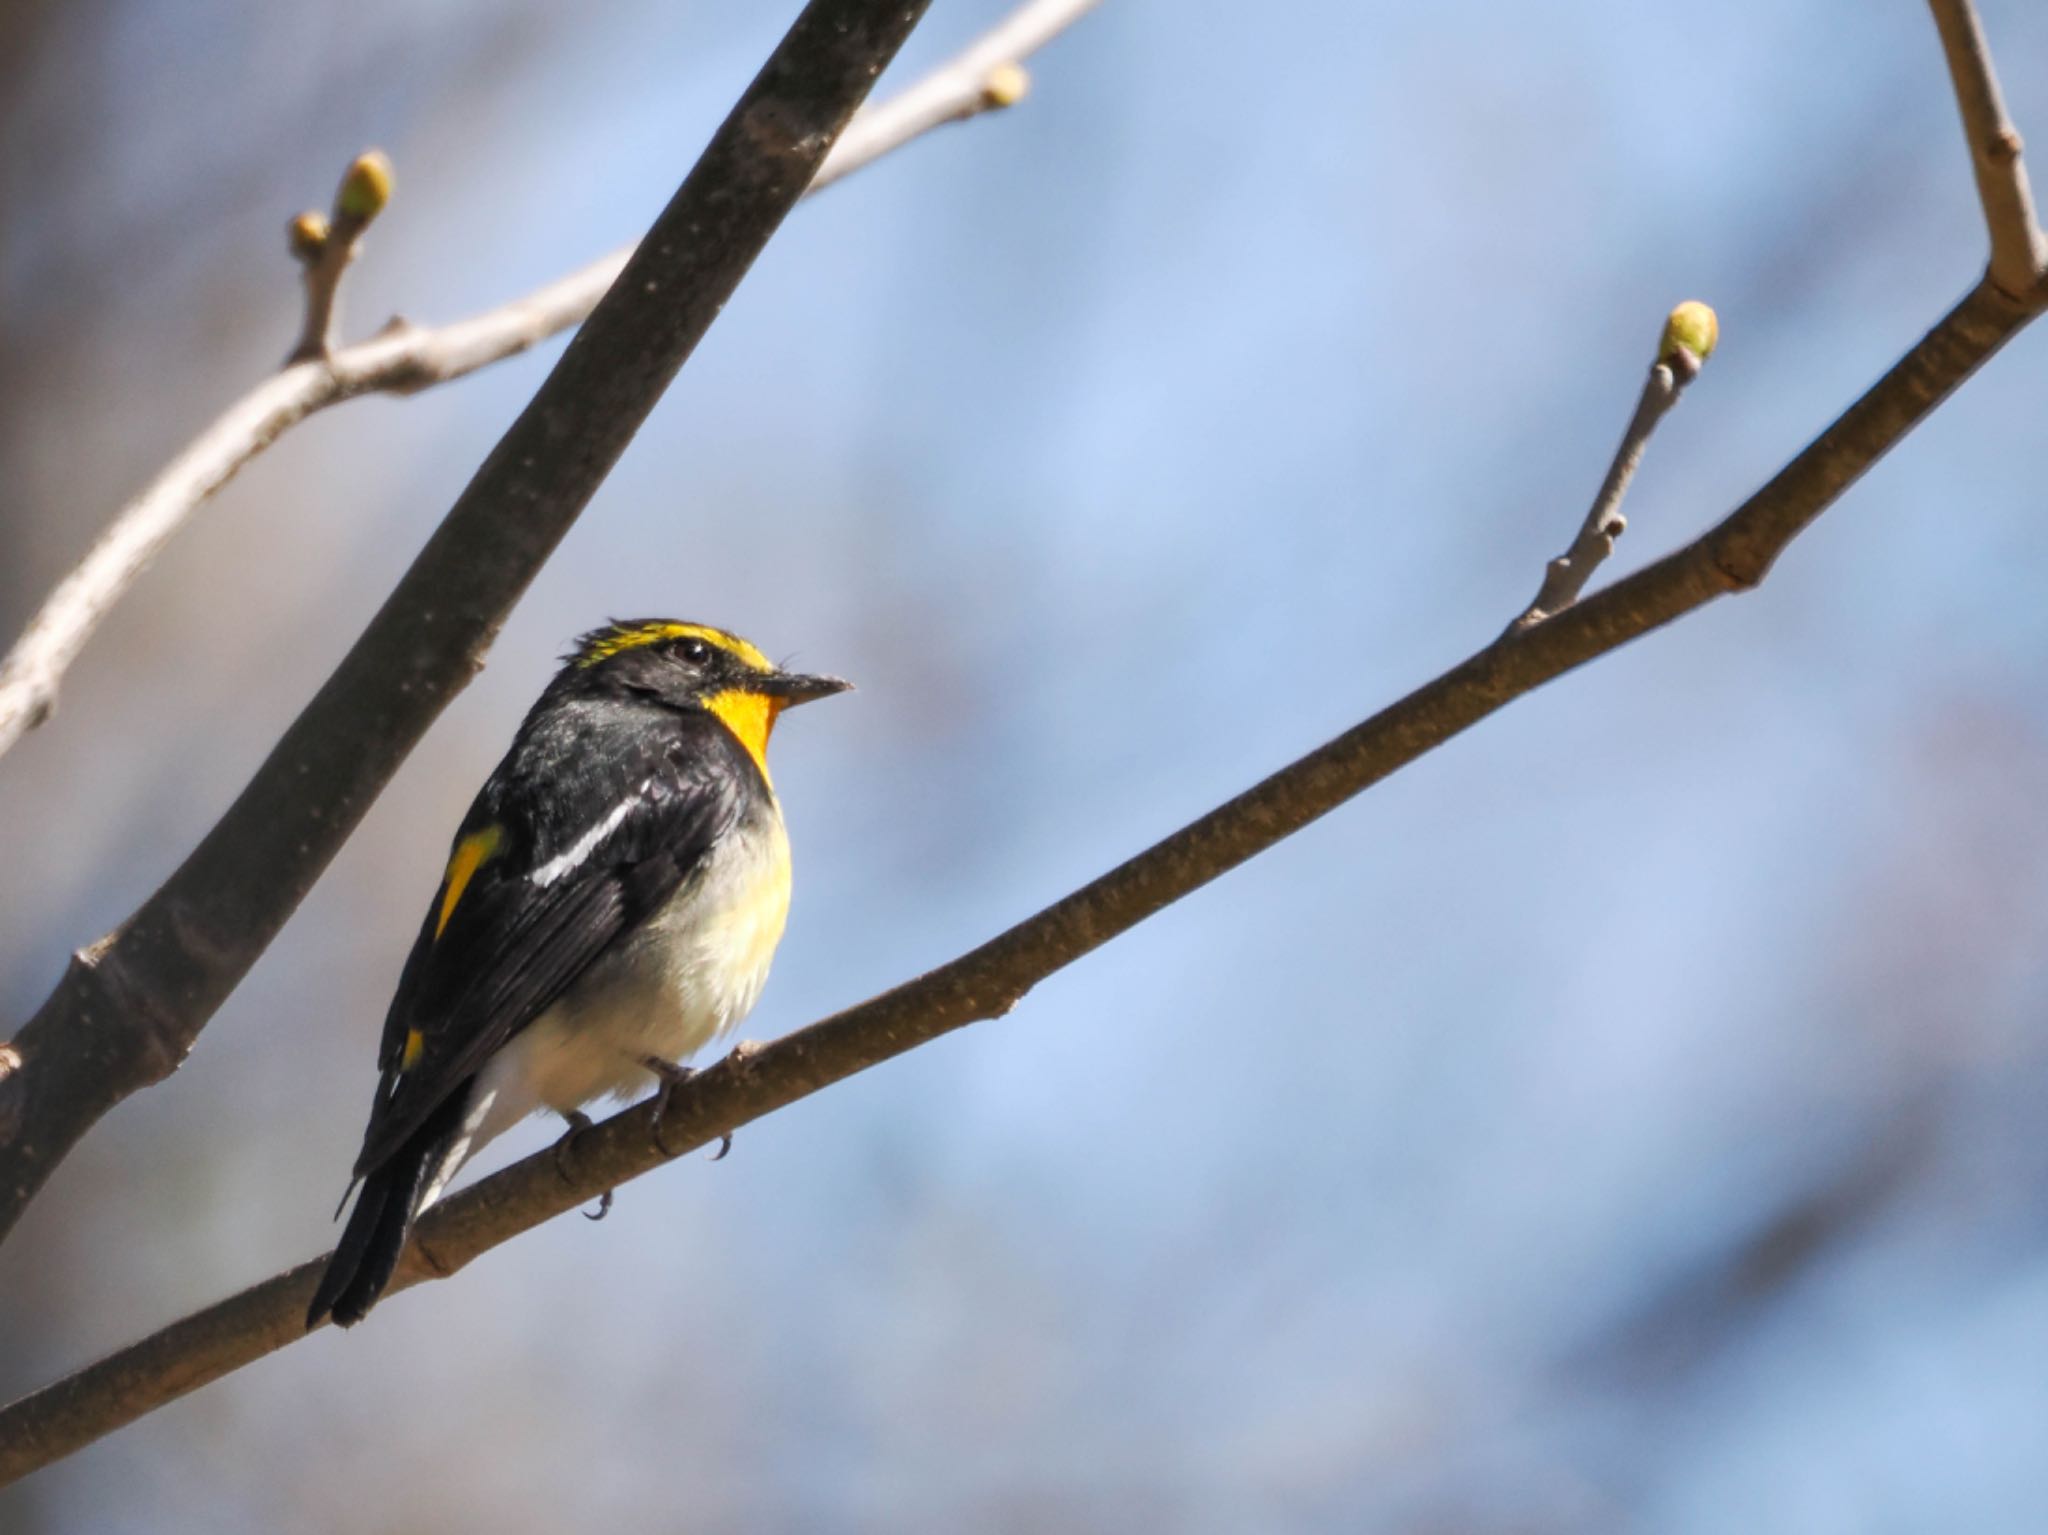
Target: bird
[(610, 905)]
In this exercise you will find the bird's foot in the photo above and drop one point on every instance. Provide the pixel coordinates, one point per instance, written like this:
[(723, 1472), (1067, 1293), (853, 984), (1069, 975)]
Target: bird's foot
[(672, 1077), (579, 1123)]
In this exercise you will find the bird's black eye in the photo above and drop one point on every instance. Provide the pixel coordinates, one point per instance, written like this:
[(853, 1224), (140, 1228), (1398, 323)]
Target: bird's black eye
[(695, 651)]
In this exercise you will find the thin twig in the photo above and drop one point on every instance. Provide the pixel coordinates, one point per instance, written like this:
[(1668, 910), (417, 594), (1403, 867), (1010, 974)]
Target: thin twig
[(129, 1007), (326, 246), (756, 1080), (2019, 254), (1689, 337), (405, 359)]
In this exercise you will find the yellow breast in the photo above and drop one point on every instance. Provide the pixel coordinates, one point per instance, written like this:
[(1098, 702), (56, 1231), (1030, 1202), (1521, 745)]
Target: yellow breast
[(746, 904), (717, 937)]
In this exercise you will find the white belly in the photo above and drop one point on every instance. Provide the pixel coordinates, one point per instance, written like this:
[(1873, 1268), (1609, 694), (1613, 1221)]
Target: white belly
[(684, 979)]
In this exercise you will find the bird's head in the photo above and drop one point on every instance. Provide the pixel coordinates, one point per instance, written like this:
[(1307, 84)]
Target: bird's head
[(693, 666)]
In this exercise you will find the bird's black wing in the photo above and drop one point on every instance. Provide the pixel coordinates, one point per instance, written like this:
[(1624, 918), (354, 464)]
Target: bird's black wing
[(564, 851)]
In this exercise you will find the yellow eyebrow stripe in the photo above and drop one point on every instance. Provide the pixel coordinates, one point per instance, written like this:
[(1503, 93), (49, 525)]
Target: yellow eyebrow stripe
[(632, 637), (471, 854)]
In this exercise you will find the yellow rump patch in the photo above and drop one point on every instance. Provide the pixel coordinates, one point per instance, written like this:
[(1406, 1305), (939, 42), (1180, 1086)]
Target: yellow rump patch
[(471, 854), (751, 719), (415, 1047), (633, 636)]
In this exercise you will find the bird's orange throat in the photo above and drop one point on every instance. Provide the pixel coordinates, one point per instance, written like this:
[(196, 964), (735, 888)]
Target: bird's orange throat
[(751, 718)]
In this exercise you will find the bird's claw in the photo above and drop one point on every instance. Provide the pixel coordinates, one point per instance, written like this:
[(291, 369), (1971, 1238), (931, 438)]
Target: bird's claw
[(672, 1077), (579, 1123)]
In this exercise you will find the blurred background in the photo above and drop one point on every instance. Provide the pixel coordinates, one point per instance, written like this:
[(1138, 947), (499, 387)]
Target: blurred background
[(1626, 1119)]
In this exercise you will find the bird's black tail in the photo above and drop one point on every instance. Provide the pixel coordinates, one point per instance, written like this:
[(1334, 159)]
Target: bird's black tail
[(368, 1252)]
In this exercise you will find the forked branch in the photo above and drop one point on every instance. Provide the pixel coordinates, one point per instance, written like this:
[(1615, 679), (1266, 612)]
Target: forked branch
[(325, 246)]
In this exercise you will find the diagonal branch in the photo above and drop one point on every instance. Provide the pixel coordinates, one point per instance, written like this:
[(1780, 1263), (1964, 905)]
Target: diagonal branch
[(756, 1080), (130, 1007), (2019, 254), (405, 359)]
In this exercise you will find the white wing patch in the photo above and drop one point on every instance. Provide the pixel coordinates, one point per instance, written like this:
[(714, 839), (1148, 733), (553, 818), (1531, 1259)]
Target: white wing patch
[(568, 862)]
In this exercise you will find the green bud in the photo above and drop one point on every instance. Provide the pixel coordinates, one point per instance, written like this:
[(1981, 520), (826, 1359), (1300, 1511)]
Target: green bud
[(1005, 85), (306, 236), (1692, 327), (366, 188)]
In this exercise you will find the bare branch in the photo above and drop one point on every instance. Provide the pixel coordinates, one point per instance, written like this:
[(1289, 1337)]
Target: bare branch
[(756, 1080), (1689, 337), (33, 670), (2019, 255), (129, 1008), (405, 359), (326, 246)]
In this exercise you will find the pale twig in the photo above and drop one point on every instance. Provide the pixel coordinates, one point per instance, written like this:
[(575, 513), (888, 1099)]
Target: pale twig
[(404, 359), (1688, 341), (2019, 254), (326, 246), (757, 1080)]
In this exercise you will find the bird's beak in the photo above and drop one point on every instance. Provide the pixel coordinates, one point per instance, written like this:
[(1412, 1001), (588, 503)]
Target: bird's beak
[(794, 688)]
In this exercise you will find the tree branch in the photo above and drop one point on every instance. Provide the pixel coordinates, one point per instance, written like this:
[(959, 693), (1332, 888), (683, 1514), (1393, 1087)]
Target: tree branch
[(1688, 341), (2019, 255), (405, 359), (129, 1008), (756, 1080), (326, 247)]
